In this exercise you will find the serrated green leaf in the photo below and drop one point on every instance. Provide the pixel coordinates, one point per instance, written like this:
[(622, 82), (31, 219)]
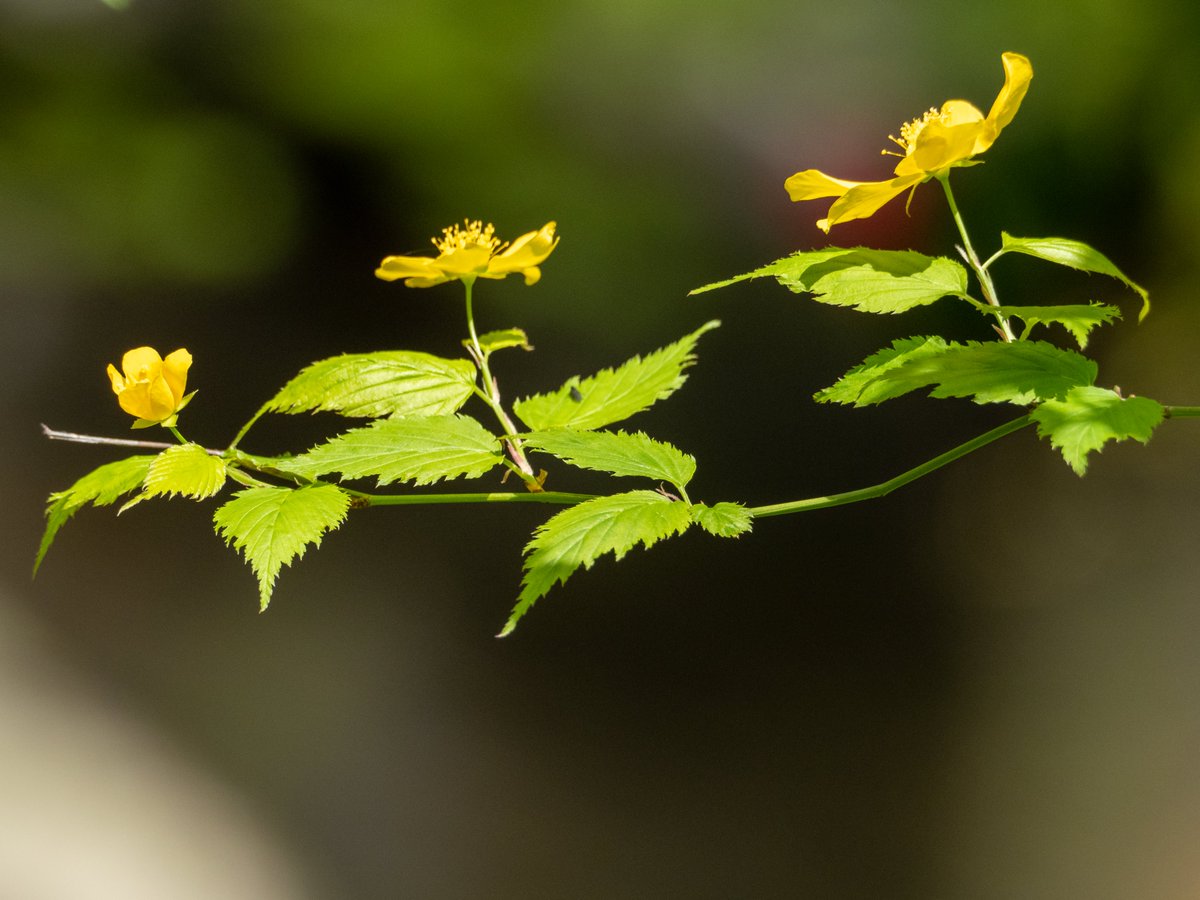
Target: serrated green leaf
[(861, 385), (580, 535), (188, 470), (613, 394), (875, 281), (1074, 254), (272, 526), (420, 449), (722, 519), (1021, 372), (1078, 319), (99, 487), (1089, 417), (370, 385), (492, 341), (618, 453)]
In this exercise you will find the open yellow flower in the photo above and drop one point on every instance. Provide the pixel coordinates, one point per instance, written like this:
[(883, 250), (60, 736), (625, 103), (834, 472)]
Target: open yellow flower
[(471, 251), (151, 388), (939, 140)]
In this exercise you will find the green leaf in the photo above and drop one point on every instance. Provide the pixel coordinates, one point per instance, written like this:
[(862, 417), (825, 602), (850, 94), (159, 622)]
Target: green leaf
[(722, 519), (613, 394), (1089, 417), (1021, 372), (188, 470), (580, 535), (99, 487), (498, 340), (861, 385), (391, 383), (618, 453), (875, 281), (272, 526), (1074, 254), (1077, 319), (421, 450)]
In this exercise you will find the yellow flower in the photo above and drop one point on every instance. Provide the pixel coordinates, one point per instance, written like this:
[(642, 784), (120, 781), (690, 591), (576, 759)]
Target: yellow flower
[(471, 251), (151, 388), (939, 140)]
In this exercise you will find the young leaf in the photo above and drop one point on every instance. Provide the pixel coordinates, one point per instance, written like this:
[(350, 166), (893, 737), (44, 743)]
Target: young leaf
[(99, 487), (419, 449), (875, 281), (1074, 254), (188, 470), (1077, 319), (861, 385), (389, 383), (1020, 372), (580, 535), (618, 453), (722, 519), (273, 526), (498, 340), (613, 394), (1088, 417)]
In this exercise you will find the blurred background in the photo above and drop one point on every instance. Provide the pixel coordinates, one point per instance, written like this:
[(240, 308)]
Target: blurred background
[(984, 686)]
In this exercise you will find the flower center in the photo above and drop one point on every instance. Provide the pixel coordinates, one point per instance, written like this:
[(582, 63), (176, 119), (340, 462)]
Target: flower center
[(469, 234), (910, 130)]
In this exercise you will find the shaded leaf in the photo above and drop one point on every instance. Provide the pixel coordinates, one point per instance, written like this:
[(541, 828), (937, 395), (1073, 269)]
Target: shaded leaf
[(618, 453), (420, 449), (492, 341), (722, 519), (99, 487), (272, 526), (1076, 255), (1021, 372), (613, 394), (388, 383), (876, 281), (862, 385), (1089, 417), (1079, 319), (580, 535)]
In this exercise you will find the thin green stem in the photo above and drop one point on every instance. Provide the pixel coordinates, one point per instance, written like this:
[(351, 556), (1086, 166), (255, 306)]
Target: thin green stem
[(1181, 412), (242, 433), (491, 395), (981, 272), (555, 497), (886, 487), (179, 437)]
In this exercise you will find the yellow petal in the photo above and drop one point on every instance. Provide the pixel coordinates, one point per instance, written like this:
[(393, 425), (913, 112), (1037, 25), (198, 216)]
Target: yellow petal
[(1018, 72), (939, 146), (175, 369), (141, 364), (526, 252), (813, 185), (864, 199), (396, 267), (532, 275), (118, 382), (469, 260)]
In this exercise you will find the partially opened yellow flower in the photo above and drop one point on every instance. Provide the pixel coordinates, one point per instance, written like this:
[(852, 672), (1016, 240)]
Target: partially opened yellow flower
[(471, 251), (151, 388), (933, 144)]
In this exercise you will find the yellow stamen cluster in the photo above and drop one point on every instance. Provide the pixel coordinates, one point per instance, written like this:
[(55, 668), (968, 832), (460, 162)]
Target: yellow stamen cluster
[(910, 130), (470, 234)]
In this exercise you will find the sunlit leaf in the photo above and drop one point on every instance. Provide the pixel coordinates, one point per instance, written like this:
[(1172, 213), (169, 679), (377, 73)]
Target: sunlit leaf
[(1089, 417), (498, 340), (722, 519), (1076, 255), (862, 385), (612, 395), (272, 526), (618, 453), (187, 470), (580, 535), (1079, 319)]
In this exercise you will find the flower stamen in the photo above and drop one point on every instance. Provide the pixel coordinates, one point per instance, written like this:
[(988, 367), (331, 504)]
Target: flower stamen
[(470, 234)]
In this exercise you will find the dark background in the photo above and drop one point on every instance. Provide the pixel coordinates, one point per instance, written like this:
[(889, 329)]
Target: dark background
[(983, 686)]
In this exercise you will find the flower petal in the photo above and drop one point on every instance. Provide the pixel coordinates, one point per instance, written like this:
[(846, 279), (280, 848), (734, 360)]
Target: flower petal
[(813, 185), (118, 381), (1018, 72), (141, 364), (939, 145), (471, 259), (526, 252), (394, 268), (864, 199), (175, 369)]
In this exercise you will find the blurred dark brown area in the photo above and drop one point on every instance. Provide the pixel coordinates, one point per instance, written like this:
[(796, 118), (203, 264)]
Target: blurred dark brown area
[(982, 686)]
